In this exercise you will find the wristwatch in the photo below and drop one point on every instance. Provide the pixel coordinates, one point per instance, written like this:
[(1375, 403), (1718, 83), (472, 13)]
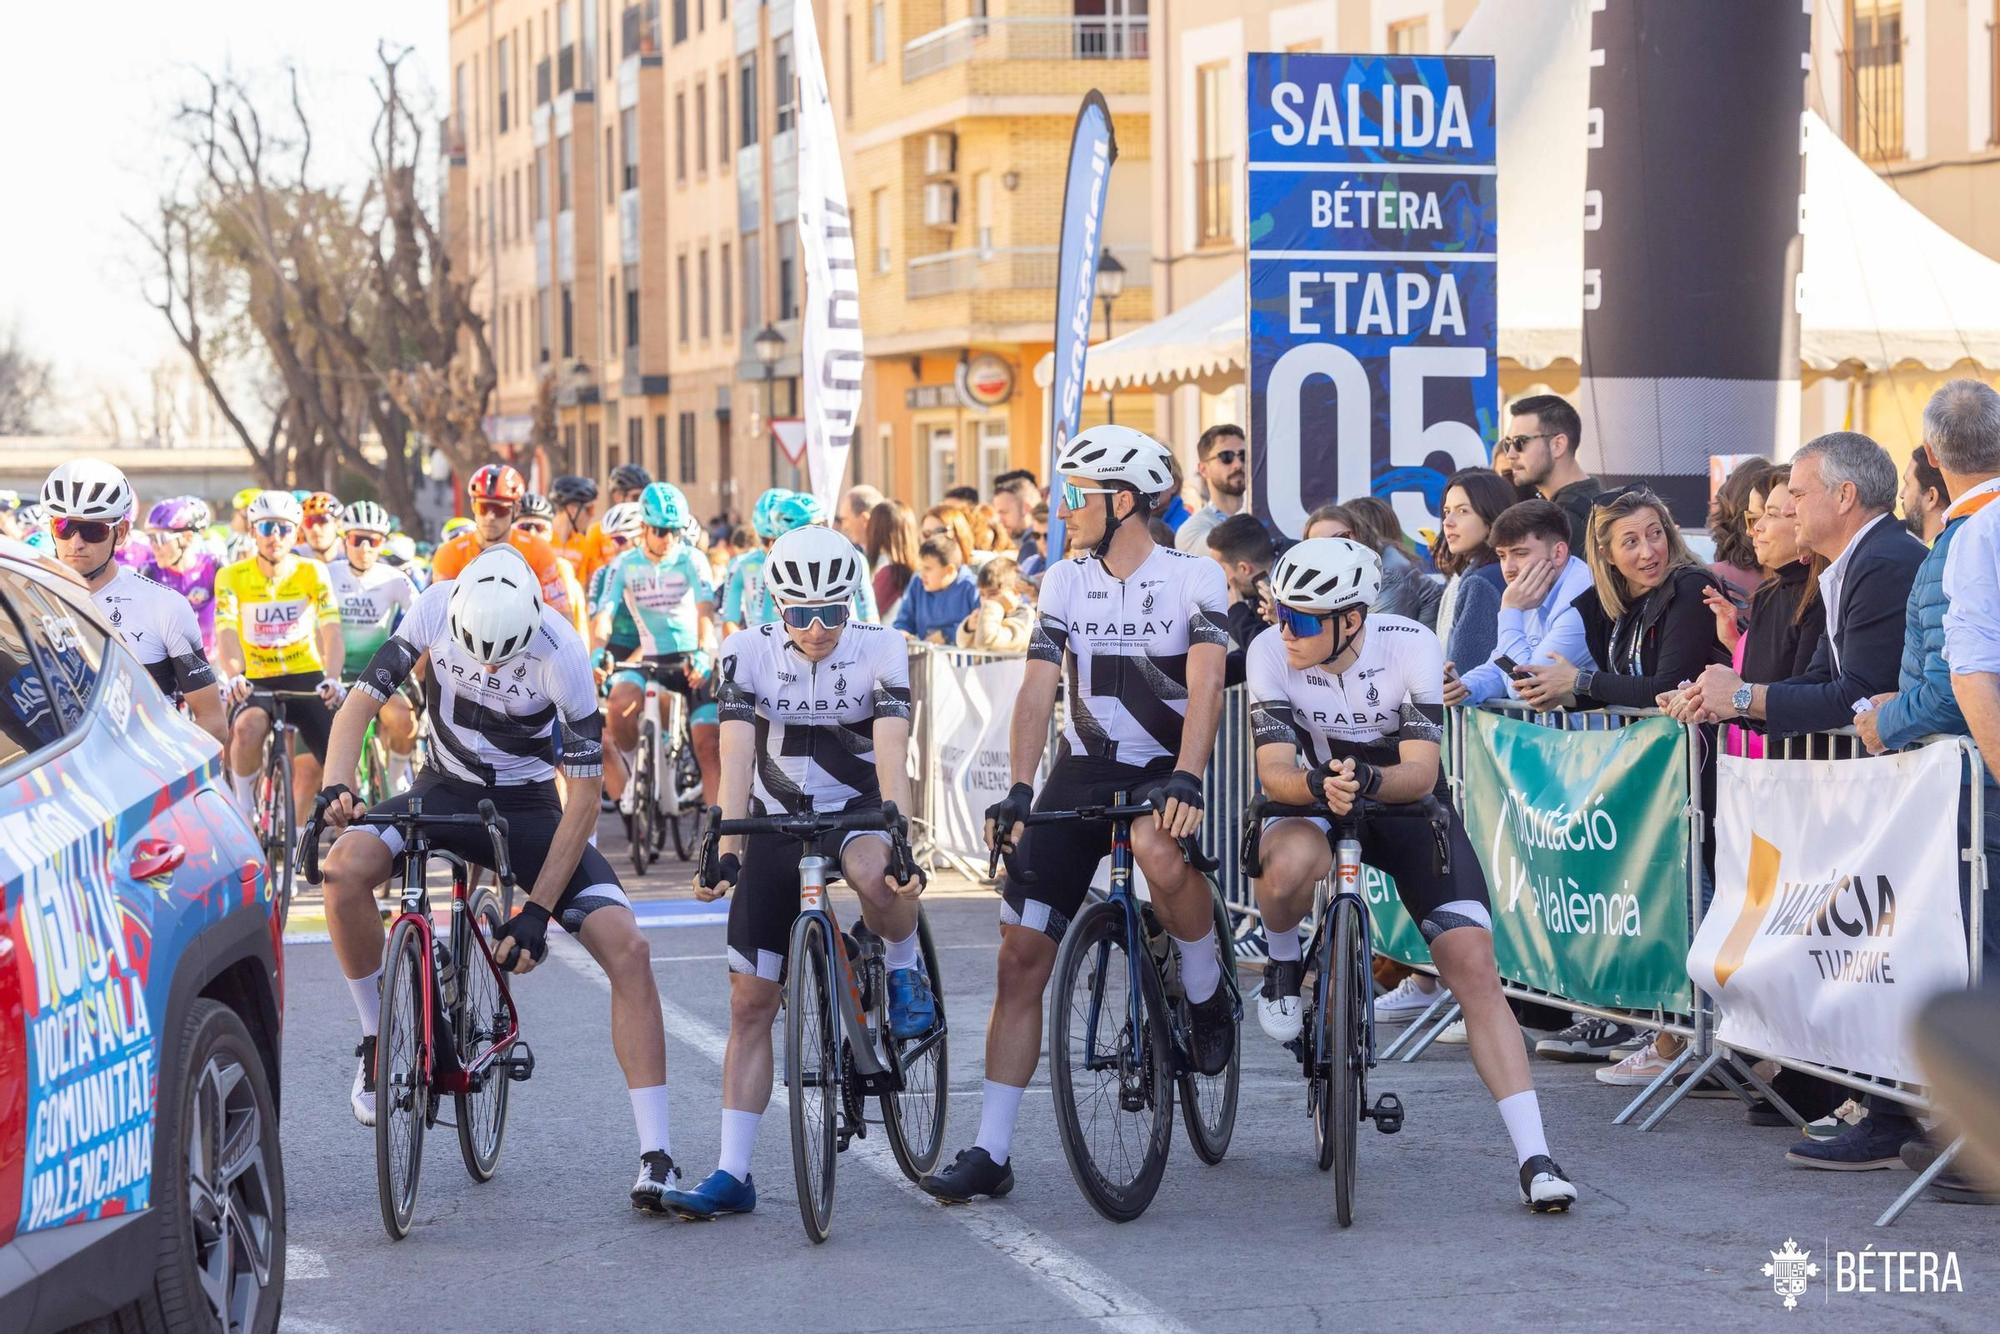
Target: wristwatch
[(1740, 701)]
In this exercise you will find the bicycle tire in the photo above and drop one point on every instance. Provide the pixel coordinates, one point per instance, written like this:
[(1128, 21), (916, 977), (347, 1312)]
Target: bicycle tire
[(811, 1034), (1345, 1066), (1208, 1102), (399, 1064), (688, 818), (477, 1020), (643, 811), (923, 1103), (1319, 1088), (279, 819), (1092, 970)]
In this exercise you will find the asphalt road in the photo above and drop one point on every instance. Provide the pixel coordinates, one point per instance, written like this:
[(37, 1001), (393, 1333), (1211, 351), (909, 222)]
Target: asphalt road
[(1673, 1226)]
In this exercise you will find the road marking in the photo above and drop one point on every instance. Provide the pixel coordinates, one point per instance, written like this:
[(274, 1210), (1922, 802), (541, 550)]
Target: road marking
[(659, 959), (1090, 1291), (303, 1262)]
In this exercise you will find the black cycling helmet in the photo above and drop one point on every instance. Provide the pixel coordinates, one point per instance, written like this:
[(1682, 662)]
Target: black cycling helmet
[(535, 505), (570, 489), (630, 477)]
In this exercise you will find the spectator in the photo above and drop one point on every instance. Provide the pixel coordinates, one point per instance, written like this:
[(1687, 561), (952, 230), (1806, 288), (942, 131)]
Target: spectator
[(891, 550), (1538, 621), (1469, 611), (1169, 507), (1735, 562), (1844, 484), (1012, 475), (1543, 435), (942, 595), (1242, 546), (1223, 463), (1004, 618), (1506, 463), (967, 496), (855, 507), (1407, 591), (951, 522), (1786, 618), (1924, 498), (1014, 502), (1331, 521), (989, 538)]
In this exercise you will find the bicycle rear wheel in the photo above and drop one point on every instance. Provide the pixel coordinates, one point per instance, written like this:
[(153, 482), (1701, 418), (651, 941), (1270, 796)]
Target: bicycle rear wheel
[(1109, 1055), (402, 1097), (915, 1114), (687, 787), (481, 1018), (1208, 1102), (643, 811), (1345, 1059), (275, 820), (812, 1071)]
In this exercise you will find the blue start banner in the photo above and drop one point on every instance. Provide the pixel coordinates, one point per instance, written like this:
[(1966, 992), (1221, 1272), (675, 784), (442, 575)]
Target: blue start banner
[(1373, 314), (1092, 150)]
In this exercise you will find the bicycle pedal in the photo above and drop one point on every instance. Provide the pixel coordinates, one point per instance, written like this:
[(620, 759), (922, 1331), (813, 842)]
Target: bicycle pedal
[(520, 1062), (1388, 1113)]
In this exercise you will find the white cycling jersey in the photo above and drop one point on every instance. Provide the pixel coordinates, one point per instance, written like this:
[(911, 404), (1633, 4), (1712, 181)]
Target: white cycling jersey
[(159, 626), (1392, 692), (498, 729), (815, 721), (371, 603), (1124, 645)]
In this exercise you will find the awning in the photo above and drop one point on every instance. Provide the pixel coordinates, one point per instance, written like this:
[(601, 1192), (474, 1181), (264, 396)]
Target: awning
[(1201, 343)]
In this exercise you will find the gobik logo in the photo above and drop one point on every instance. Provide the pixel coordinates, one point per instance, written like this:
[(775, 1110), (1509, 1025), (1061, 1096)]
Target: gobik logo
[(1790, 1271)]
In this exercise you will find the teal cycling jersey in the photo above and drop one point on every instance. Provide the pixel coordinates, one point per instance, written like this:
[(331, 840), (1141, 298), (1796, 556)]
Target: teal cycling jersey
[(662, 597), (743, 601), (624, 630)]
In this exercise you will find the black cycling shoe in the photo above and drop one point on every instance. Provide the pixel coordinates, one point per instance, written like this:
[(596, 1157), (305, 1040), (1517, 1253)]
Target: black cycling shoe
[(1212, 1032), (972, 1173), (1544, 1188)]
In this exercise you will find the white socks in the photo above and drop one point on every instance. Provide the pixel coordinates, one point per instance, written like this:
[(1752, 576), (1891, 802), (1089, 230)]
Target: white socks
[(368, 1001), (244, 786), (649, 1113), (1282, 946), (739, 1133), (900, 953), (999, 1104), (1523, 1115), (1201, 966)]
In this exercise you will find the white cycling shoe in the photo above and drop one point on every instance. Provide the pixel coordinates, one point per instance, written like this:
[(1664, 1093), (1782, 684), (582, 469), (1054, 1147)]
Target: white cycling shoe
[(362, 1096), (1278, 1006)]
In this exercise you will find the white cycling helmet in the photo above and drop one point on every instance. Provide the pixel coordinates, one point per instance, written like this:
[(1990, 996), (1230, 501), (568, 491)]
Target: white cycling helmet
[(276, 505), (812, 564), (87, 489), (1327, 574), (365, 516), (1118, 454), (496, 606), (623, 520)]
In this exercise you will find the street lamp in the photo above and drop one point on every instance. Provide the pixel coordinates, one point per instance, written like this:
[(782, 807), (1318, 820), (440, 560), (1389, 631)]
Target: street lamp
[(770, 345), (1109, 282)]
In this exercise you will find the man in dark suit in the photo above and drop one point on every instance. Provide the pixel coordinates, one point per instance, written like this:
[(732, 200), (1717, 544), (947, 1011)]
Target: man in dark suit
[(1845, 486)]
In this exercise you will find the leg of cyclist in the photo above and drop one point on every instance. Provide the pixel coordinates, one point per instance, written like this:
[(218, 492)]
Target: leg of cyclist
[(398, 724), (1185, 906), (621, 726), (1296, 858), (314, 721), (865, 863), (638, 1038), (706, 735), (246, 754), (353, 868)]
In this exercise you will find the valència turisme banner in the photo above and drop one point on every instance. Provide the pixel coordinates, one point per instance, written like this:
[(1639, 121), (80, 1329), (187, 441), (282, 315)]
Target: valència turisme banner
[(1584, 843), (1373, 315)]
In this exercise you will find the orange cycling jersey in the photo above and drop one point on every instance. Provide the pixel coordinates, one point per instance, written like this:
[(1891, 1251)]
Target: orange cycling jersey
[(594, 550), (455, 555)]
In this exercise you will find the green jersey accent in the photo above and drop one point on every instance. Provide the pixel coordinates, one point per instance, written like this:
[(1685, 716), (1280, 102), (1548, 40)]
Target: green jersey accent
[(371, 605), (662, 596)]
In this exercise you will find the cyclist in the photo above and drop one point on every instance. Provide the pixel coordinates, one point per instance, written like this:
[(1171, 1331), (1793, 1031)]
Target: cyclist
[(796, 510), (597, 549), (373, 597), (239, 510), (456, 526), (87, 503), (322, 527), (182, 562), (743, 593), (816, 717), (663, 585), (1137, 630), (514, 699), (34, 521), (1348, 705), (10, 515), (495, 492), (536, 518), (574, 500), (277, 626)]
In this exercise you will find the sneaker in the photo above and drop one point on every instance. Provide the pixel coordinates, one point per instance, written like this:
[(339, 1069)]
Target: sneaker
[(362, 1096), (1951, 1185), (972, 1173), (1454, 1034), (1764, 1112), (1593, 1039), (912, 1007), (718, 1193), (1876, 1143), (657, 1176), (1212, 1032), (1278, 1003), (1642, 1067), (1544, 1188), (1407, 1001)]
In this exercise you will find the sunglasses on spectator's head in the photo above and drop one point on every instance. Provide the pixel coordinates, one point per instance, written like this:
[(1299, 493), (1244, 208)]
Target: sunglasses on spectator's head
[(1226, 457), (832, 615), (1606, 499), (274, 528), (84, 530), (492, 507), (1302, 624), (364, 540)]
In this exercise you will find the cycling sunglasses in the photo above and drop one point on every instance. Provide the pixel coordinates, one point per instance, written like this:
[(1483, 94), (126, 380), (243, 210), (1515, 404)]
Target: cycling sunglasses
[(492, 507), (86, 530), (1302, 624), (363, 540), (1073, 495), (657, 531), (832, 615), (274, 527), (158, 534), (535, 527)]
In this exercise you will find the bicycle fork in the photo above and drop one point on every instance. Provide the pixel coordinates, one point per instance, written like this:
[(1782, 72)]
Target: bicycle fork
[(1131, 1053)]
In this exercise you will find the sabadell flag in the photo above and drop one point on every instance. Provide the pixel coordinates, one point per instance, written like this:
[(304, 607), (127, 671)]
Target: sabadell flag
[(1092, 150), (832, 362)]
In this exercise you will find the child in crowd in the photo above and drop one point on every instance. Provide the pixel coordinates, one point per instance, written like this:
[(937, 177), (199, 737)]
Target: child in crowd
[(1005, 617), (943, 595)]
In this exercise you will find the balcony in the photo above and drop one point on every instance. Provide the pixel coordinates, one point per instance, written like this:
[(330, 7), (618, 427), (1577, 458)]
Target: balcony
[(1015, 269), (994, 39)]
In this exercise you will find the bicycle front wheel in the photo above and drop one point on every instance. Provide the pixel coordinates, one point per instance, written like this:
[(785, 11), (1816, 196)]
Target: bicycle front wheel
[(1109, 1057), (812, 1071), (644, 812), (1346, 1062), (275, 815), (1208, 1102), (402, 1095), (481, 1019), (914, 1114)]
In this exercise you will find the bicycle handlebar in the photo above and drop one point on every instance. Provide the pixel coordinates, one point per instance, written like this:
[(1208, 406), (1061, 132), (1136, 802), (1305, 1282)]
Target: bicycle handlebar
[(1343, 826), (407, 822), (1114, 812), (283, 696), (806, 826)]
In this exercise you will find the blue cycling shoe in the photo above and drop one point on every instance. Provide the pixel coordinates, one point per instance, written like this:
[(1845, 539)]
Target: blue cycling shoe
[(718, 1193), (912, 1008)]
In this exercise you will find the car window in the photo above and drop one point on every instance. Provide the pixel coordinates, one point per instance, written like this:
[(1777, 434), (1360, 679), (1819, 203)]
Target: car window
[(27, 722), (71, 646)]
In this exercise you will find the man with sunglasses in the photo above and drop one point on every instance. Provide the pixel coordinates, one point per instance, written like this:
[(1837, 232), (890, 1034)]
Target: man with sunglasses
[(87, 502), (1223, 461), (1347, 706), (1138, 631), (321, 532), (182, 562), (495, 492), (816, 717), (573, 506), (374, 596), (1543, 436), (536, 517)]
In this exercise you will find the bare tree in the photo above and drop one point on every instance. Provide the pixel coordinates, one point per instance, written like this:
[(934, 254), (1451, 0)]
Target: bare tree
[(26, 387)]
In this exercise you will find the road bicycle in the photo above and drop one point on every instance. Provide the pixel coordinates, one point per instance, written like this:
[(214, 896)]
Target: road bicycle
[(448, 1025), (1119, 1031), (1336, 1042), (666, 781), (275, 813), (838, 1048)]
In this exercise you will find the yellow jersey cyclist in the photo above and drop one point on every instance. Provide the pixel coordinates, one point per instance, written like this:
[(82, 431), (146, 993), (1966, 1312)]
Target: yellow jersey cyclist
[(277, 627), (374, 596), (1344, 706)]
